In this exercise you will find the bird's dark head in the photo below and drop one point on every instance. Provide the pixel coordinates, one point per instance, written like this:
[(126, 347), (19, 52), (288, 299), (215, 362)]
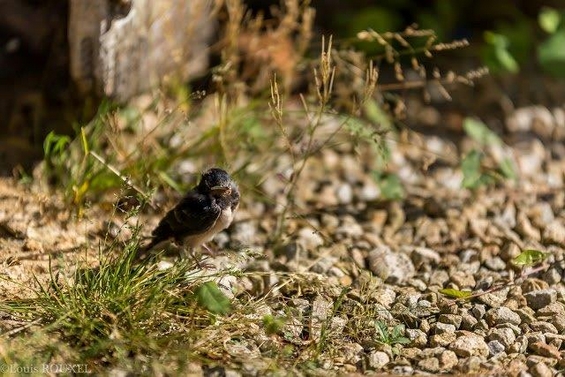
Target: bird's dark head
[(218, 183)]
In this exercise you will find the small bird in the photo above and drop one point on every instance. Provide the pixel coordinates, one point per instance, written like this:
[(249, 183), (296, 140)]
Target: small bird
[(203, 212)]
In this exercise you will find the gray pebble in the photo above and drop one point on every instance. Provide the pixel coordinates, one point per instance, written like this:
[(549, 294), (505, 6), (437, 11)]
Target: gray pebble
[(452, 319), (495, 347), (540, 298), (519, 346), (502, 315), (394, 268), (417, 337), (323, 264), (504, 335)]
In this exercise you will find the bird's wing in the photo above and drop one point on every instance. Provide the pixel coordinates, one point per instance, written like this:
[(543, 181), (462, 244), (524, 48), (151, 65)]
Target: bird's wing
[(194, 214)]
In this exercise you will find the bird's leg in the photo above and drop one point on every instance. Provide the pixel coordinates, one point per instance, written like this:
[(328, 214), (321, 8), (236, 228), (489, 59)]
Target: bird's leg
[(209, 251), (194, 257)]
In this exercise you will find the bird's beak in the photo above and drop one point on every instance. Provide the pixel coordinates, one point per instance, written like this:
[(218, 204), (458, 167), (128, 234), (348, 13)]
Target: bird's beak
[(219, 189)]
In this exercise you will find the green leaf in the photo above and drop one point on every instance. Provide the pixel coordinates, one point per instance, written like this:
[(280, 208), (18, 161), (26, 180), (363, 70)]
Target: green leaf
[(377, 115), (480, 132), (455, 293), (498, 54), (272, 324), (508, 168), (471, 168), (551, 54), (211, 298), (390, 185), (549, 19), (530, 257)]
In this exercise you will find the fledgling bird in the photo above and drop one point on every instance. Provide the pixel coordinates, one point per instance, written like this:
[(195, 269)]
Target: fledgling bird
[(204, 211)]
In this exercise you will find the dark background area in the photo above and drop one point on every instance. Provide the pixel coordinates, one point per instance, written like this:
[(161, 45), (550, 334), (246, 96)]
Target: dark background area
[(37, 95)]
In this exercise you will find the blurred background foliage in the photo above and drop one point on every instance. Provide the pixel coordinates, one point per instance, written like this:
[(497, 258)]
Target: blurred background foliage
[(512, 38)]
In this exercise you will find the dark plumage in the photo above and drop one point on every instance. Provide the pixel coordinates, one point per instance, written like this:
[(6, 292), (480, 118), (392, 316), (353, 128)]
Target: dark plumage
[(204, 211)]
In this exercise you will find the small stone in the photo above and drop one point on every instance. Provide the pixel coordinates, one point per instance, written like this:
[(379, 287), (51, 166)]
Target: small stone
[(384, 296), (520, 345), (535, 337), (439, 278), (546, 350), (404, 370), (468, 322), (495, 264), (502, 315), (430, 365), (309, 239), (448, 360), (392, 267), (504, 336), (417, 337), (344, 193), (470, 345), (323, 264), (527, 314), (244, 233), (543, 349), (554, 233), (495, 347), (463, 280), (540, 298), (329, 222), (541, 214), (440, 328), (349, 228), (321, 309), (541, 370), (471, 365), (411, 353), (544, 327), (351, 352), (452, 319), (552, 276), (369, 192), (525, 228), (496, 298), (478, 311), (425, 255), (443, 339), (510, 251), (378, 360)]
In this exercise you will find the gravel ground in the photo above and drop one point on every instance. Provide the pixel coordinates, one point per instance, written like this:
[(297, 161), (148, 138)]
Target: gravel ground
[(392, 256)]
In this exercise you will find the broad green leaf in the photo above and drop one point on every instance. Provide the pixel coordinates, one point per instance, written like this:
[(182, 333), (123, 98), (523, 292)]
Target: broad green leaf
[(211, 298), (480, 132), (497, 52), (530, 257), (551, 54), (455, 293), (391, 187), (377, 115), (507, 168), (549, 19), (471, 168)]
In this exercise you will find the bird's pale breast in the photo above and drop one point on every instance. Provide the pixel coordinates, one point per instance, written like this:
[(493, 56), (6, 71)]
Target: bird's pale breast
[(223, 221)]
